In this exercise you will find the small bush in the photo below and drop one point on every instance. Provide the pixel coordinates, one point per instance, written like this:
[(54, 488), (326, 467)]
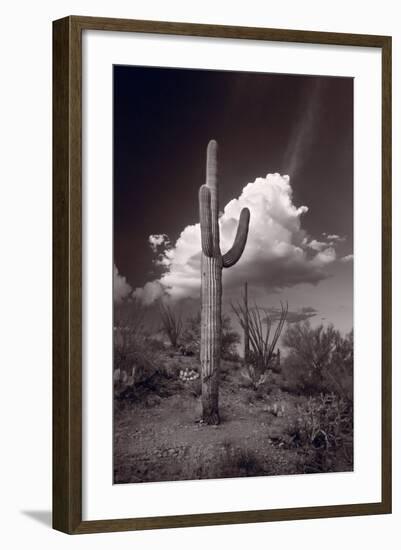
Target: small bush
[(190, 338), (154, 344), (320, 360), (253, 378), (141, 366), (326, 421), (248, 462), (227, 460), (323, 426), (195, 388)]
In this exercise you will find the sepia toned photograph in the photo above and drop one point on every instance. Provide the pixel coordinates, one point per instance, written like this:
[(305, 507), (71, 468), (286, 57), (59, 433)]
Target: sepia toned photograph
[(233, 274)]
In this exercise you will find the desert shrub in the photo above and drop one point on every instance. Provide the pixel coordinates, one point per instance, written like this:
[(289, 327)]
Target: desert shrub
[(134, 365), (320, 360), (253, 378), (225, 461), (141, 365), (140, 360), (190, 338), (323, 427), (128, 331), (294, 378), (129, 317), (229, 340), (325, 420), (154, 344), (312, 347), (248, 463), (338, 376)]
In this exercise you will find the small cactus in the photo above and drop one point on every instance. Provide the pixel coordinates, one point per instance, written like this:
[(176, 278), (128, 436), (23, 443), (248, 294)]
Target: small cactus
[(213, 261)]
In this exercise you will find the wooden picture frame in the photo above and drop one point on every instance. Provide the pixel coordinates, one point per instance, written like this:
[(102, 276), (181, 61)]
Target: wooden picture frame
[(67, 274)]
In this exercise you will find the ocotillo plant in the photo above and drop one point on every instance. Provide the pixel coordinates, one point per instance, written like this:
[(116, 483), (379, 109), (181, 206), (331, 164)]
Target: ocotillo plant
[(172, 323), (263, 342), (213, 261)]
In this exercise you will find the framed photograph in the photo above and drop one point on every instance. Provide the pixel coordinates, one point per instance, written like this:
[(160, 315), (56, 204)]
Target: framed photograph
[(222, 275)]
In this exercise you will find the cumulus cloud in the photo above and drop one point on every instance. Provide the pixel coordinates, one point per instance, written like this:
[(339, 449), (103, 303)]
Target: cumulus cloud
[(278, 253), (317, 245), (150, 292), (157, 241), (324, 257), (121, 289), (348, 258), (336, 238)]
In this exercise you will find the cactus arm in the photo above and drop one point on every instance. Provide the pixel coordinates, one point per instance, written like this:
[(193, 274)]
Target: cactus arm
[(234, 254), (205, 217), (212, 183)]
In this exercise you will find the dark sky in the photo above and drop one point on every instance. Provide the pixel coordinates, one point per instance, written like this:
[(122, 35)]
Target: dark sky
[(264, 123)]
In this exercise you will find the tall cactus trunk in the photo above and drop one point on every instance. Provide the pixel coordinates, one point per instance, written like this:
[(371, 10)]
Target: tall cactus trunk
[(211, 338), (246, 326), (211, 270)]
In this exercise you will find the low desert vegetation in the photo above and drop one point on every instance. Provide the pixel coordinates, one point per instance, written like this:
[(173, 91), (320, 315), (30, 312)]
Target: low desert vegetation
[(287, 408), (320, 360)]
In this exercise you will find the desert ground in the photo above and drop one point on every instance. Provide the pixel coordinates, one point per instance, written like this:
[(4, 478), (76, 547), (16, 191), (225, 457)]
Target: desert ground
[(280, 426)]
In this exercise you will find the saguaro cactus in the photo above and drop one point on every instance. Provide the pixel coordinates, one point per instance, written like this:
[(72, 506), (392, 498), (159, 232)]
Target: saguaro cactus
[(213, 261), (246, 326)]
